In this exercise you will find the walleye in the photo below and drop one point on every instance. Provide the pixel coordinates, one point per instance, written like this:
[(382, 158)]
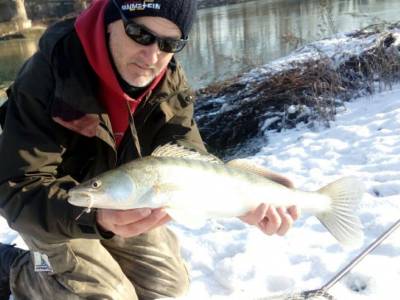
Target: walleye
[(194, 187)]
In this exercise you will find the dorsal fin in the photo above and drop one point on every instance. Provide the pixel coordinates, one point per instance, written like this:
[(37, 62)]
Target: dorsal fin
[(174, 150), (249, 166)]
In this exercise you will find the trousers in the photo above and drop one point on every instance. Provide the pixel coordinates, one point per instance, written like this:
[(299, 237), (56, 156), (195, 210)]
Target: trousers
[(148, 266)]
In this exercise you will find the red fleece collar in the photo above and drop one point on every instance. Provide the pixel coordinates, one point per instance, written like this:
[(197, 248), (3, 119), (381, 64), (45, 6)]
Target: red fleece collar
[(90, 28)]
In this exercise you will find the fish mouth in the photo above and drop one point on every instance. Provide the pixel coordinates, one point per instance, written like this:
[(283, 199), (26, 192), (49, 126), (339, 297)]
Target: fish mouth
[(80, 198)]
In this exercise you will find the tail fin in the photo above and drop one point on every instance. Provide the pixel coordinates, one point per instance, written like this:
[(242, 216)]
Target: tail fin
[(341, 221)]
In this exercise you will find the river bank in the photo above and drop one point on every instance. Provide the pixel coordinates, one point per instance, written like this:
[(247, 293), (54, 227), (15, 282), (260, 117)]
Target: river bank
[(3, 88), (28, 33), (309, 86), (3, 95)]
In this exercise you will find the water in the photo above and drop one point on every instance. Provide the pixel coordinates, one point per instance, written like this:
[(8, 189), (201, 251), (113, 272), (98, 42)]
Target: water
[(230, 39), (13, 54), (227, 40)]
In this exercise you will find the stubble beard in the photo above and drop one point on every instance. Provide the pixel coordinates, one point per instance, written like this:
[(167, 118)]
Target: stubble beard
[(141, 80)]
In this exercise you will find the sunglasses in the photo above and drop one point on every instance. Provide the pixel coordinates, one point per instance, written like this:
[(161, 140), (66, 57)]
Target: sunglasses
[(145, 37)]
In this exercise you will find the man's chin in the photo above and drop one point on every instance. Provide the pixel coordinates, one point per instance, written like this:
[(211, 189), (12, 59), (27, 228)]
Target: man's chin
[(141, 82)]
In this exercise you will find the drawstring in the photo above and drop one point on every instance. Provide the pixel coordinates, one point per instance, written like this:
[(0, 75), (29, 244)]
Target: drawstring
[(132, 127)]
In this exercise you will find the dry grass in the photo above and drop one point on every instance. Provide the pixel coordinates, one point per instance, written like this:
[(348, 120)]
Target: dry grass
[(313, 84)]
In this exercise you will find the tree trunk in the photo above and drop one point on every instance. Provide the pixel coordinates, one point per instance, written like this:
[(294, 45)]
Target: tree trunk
[(21, 18), (81, 4)]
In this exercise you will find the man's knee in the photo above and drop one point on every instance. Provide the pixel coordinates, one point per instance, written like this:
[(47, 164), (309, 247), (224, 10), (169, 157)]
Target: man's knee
[(78, 269), (183, 282), (152, 262)]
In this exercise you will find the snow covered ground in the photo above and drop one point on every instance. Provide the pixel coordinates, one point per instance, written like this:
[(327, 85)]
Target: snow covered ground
[(230, 260)]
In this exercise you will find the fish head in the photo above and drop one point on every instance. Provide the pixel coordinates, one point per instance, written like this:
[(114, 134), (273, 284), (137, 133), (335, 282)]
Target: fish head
[(111, 190)]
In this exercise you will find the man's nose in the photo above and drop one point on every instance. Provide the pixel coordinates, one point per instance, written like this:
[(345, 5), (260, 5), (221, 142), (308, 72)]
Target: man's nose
[(151, 54)]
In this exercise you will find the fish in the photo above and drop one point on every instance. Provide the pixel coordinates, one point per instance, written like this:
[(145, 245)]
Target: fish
[(194, 187)]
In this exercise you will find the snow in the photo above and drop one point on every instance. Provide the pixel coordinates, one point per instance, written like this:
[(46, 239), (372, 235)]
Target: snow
[(230, 260)]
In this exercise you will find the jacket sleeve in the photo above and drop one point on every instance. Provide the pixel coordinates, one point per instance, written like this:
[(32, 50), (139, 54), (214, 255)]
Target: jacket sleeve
[(33, 195)]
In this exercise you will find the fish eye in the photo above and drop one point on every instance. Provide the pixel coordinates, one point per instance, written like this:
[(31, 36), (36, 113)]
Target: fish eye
[(96, 184)]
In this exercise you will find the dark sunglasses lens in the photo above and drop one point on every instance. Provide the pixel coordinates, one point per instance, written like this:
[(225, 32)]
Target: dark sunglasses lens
[(170, 45), (139, 34), (144, 37)]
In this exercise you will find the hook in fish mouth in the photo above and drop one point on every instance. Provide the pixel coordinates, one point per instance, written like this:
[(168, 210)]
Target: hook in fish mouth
[(80, 198)]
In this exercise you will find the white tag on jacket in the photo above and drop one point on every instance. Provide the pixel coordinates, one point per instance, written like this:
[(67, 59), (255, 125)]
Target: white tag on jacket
[(42, 263)]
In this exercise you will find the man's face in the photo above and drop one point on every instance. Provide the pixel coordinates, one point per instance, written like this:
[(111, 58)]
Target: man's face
[(138, 65)]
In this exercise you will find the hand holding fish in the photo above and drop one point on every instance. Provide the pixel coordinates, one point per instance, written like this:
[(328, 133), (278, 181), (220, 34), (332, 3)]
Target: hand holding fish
[(269, 219), (272, 220), (131, 222)]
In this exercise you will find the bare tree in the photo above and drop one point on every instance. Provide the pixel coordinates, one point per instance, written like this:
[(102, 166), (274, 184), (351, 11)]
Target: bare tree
[(22, 18)]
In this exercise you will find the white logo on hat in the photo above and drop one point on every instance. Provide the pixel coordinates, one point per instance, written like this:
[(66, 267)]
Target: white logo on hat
[(139, 5)]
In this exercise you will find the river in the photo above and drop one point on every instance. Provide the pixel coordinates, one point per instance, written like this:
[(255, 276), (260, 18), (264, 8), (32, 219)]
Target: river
[(230, 39)]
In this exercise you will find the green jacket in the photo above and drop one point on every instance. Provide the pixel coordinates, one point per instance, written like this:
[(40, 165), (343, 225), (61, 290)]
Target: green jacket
[(57, 134)]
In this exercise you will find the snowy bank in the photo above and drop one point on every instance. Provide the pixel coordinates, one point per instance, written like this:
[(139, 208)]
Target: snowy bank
[(229, 260), (307, 86)]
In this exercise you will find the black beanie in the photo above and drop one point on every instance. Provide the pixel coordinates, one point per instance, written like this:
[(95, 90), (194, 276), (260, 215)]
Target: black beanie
[(180, 12)]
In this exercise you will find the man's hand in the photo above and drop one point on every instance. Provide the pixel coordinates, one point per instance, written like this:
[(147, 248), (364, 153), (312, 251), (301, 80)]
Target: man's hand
[(129, 223), (272, 220)]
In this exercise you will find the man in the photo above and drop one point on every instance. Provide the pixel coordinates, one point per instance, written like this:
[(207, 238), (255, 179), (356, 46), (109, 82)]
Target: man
[(101, 90)]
